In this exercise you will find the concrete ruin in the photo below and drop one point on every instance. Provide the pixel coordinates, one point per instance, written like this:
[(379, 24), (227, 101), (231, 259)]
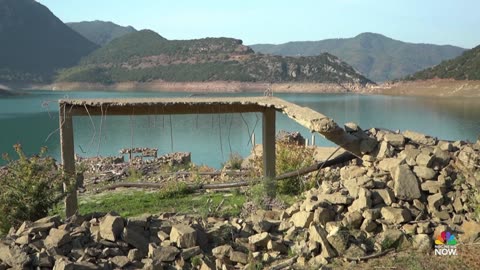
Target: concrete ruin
[(353, 141)]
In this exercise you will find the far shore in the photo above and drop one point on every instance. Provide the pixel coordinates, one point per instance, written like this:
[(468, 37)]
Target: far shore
[(428, 88)]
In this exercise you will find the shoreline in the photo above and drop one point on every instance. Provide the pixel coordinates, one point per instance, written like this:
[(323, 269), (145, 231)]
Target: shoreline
[(427, 88)]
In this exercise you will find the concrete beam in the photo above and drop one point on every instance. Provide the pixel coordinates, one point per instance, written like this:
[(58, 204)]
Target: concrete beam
[(313, 120)]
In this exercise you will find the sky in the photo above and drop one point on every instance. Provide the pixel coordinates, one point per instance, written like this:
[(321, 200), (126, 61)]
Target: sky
[(454, 22)]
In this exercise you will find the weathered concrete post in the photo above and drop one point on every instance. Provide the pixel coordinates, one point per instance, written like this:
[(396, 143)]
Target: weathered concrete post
[(269, 143), (68, 159)]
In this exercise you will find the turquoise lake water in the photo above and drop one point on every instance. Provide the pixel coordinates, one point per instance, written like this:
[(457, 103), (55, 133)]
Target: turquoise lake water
[(32, 120)]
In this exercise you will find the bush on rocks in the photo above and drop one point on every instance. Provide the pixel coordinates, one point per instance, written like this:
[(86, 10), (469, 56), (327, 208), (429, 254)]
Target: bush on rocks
[(290, 156), (29, 188)]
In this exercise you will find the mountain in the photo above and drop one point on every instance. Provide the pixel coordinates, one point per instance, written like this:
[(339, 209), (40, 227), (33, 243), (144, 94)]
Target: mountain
[(146, 56), (377, 57), (464, 67), (100, 32), (35, 43)]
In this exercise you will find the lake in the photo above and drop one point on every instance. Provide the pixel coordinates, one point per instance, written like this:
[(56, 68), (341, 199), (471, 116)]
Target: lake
[(32, 120)]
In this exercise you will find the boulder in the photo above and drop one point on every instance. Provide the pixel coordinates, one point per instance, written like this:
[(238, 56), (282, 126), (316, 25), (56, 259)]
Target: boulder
[(353, 219), (111, 227), (120, 261), (260, 224), (134, 236), (57, 238), (441, 157), (319, 235), (388, 164), (433, 187), (386, 195), (277, 246), (422, 243), (393, 139), (222, 251), (260, 240), (355, 251), (135, 255), (335, 198), (394, 215), (302, 219), (338, 239), (435, 201), (445, 146), (368, 225), (385, 150), (323, 215), (163, 254), (390, 238), (188, 253), (405, 183), (424, 172), (290, 137), (63, 264), (352, 172), (419, 138), (42, 259), (410, 155), (184, 235), (13, 256), (424, 159), (239, 257), (363, 202)]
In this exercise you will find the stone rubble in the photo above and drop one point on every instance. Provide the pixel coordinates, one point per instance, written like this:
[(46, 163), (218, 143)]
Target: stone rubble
[(402, 196)]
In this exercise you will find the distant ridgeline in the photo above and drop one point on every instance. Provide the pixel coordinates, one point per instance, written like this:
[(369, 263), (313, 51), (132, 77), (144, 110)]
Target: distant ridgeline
[(464, 67), (146, 56), (34, 43), (376, 56), (99, 32)]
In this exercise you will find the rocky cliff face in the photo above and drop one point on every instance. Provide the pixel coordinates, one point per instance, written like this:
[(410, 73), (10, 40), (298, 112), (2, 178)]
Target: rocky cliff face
[(146, 56)]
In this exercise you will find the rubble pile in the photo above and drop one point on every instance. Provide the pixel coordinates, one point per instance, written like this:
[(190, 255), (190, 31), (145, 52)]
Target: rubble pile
[(290, 137), (402, 195), (109, 169)]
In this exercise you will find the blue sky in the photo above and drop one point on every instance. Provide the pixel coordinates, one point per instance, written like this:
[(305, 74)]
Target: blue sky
[(455, 22)]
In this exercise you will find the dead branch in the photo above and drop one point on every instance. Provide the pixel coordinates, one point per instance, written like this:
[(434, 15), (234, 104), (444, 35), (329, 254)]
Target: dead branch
[(338, 160)]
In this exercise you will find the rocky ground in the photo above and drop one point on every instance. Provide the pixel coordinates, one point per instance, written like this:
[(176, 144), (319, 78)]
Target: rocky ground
[(100, 171), (377, 211)]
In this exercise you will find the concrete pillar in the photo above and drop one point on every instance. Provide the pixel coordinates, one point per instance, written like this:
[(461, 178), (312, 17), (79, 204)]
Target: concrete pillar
[(68, 159), (269, 143)]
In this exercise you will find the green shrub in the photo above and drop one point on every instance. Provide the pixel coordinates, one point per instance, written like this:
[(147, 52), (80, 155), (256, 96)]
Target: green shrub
[(173, 190), (134, 175), (289, 157), (234, 162), (30, 187), (196, 261)]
